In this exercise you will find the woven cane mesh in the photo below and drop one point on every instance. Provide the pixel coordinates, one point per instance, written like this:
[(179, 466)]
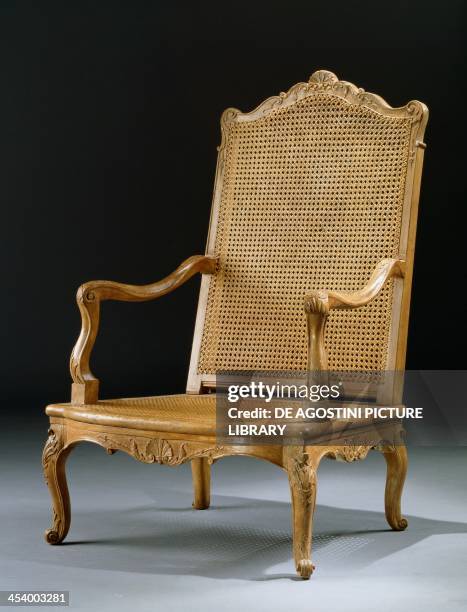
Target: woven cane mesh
[(312, 198)]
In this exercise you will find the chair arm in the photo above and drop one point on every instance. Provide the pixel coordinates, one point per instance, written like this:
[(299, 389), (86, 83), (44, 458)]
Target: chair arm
[(89, 296), (318, 304)]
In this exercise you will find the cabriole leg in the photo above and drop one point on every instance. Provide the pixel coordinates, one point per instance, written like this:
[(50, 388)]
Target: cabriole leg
[(201, 472), (396, 460), (301, 470), (54, 458)]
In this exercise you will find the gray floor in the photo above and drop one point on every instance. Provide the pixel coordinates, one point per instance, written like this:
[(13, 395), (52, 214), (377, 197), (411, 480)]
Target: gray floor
[(136, 544)]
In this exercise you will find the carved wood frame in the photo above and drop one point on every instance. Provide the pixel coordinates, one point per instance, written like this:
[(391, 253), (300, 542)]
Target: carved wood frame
[(324, 81), (85, 386), (300, 463)]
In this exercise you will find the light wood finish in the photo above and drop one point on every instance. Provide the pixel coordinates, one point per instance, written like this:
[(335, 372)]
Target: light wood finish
[(318, 305), (54, 458), (303, 228), (301, 469), (173, 449), (186, 414), (320, 223), (85, 386), (201, 471), (396, 460)]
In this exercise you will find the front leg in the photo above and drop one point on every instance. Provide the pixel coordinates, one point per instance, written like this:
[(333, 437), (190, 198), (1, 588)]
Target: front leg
[(396, 460), (301, 468), (53, 461)]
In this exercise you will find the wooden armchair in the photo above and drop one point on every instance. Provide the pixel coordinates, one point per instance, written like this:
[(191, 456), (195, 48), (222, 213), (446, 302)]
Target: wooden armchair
[(314, 210)]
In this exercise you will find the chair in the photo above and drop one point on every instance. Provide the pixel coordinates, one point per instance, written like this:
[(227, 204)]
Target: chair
[(310, 252)]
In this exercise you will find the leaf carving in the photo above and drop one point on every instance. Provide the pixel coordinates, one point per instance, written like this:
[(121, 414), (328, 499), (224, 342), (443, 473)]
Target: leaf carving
[(158, 450)]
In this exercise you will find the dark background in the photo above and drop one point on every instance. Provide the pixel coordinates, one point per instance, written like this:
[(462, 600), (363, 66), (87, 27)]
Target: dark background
[(109, 127)]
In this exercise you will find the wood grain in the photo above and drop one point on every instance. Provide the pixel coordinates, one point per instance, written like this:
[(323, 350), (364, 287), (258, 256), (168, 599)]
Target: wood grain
[(178, 429), (85, 387)]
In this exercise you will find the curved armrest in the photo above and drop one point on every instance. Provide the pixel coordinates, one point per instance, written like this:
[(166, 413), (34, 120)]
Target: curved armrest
[(324, 301), (89, 296), (318, 304)]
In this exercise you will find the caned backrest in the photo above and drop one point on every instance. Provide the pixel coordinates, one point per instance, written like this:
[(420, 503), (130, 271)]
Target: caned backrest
[(313, 188)]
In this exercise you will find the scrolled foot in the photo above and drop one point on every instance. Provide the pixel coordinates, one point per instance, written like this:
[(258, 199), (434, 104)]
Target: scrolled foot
[(305, 568), (396, 460), (398, 524), (301, 468), (51, 536)]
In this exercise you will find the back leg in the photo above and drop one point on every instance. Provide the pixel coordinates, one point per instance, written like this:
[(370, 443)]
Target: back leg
[(201, 473)]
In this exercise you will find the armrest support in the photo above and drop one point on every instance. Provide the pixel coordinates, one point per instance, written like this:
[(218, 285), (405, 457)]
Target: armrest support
[(89, 296), (318, 304)]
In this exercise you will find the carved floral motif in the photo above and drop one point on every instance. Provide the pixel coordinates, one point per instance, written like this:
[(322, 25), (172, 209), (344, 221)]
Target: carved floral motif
[(54, 479), (302, 477), (51, 448), (352, 452), (321, 81), (325, 81), (158, 450)]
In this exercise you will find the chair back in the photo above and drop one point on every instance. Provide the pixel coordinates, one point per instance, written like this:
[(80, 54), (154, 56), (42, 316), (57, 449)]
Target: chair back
[(313, 188)]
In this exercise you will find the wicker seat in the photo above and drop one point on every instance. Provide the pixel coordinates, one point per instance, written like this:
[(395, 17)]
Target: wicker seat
[(173, 413), (308, 266)]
